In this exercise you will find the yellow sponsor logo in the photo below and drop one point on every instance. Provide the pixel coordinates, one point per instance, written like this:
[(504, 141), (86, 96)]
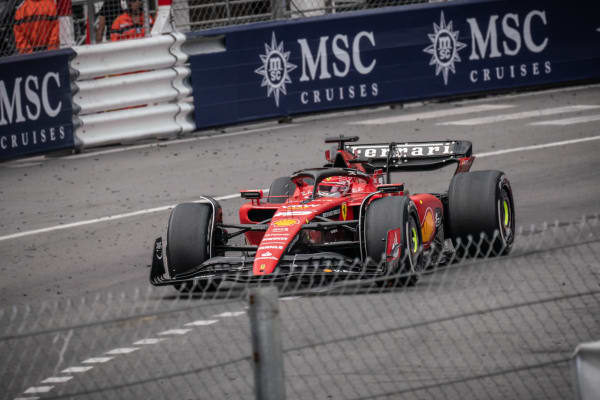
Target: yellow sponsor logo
[(262, 267), (344, 211), (286, 222)]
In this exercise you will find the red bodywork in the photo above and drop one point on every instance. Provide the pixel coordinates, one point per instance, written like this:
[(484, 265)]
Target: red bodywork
[(287, 218)]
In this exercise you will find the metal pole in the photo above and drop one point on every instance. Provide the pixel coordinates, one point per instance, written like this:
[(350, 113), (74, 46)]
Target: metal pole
[(277, 9), (146, 19), (92, 20), (269, 381)]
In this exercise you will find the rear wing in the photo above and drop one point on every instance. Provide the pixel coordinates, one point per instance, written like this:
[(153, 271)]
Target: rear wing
[(413, 156)]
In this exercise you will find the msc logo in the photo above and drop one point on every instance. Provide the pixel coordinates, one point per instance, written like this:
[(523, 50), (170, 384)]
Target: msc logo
[(275, 69), (16, 108), (444, 48), (498, 36), (329, 58)]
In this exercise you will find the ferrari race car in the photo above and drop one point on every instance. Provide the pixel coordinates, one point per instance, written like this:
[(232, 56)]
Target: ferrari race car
[(346, 219)]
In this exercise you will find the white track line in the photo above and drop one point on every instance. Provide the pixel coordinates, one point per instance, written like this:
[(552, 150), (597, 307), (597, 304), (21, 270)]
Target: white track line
[(38, 389), (230, 314), (57, 379), (521, 115), (97, 360), (175, 332), (122, 350), (107, 218), (158, 209), (149, 341), (569, 121), (202, 322), (537, 147), (432, 114), (76, 370)]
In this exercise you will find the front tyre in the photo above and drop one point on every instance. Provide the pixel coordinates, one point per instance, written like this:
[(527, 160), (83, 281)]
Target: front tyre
[(395, 218), (188, 243), (481, 214)]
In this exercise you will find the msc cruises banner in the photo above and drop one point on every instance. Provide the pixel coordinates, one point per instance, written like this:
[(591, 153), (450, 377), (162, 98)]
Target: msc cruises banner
[(393, 55), (35, 104)]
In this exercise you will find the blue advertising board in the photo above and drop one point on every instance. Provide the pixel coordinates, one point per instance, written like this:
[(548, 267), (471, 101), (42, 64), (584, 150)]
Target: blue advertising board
[(36, 110), (393, 55)]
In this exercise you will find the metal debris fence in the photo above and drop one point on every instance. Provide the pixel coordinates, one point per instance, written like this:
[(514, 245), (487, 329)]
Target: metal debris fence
[(492, 328), (187, 15)]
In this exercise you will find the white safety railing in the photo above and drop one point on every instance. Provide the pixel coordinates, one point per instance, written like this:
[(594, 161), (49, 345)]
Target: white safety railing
[(165, 85), (131, 90), (153, 53)]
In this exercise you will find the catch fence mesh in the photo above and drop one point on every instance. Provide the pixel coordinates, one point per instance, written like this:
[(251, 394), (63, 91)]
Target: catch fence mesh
[(52, 24), (492, 328)]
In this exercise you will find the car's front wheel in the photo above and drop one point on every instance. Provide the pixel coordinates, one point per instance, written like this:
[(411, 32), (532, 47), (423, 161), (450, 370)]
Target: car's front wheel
[(188, 243)]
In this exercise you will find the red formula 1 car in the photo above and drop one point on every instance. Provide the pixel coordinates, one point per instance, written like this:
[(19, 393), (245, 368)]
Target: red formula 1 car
[(344, 220)]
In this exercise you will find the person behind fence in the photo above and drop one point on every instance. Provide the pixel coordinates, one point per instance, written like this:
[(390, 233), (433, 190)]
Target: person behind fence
[(65, 23), (130, 24), (36, 26), (110, 10)]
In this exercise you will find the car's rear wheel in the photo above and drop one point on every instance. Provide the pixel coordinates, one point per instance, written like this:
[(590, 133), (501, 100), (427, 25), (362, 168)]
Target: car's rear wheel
[(406, 260), (188, 243), (280, 190), (481, 214)]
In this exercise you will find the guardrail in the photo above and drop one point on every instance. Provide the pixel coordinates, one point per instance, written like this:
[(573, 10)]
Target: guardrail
[(131, 90)]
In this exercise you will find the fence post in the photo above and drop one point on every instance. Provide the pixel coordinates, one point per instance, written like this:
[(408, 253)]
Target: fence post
[(147, 26), (91, 12), (277, 9), (267, 354)]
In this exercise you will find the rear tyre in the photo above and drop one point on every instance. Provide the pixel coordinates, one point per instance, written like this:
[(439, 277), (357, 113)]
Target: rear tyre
[(481, 214), (280, 190), (386, 214), (188, 243)]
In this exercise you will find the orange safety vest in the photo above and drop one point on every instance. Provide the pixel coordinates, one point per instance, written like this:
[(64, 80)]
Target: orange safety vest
[(128, 27), (36, 26)]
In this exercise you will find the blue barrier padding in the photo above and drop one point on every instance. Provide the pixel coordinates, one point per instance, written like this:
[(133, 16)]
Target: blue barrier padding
[(394, 54), (36, 109)]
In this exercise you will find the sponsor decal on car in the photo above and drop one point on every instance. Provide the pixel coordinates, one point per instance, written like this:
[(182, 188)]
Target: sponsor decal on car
[(275, 238), (404, 150), (331, 213), (292, 213), (270, 247), (300, 206), (344, 211), (262, 267), (280, 229), (266, 254), (286, 222)]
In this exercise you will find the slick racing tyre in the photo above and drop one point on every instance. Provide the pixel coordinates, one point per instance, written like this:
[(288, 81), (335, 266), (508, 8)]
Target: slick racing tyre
[(406, 261), (280, 190), (481, 214), (187, 243)]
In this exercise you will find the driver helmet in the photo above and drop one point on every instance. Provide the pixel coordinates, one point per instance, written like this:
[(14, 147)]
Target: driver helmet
[(333, 187)]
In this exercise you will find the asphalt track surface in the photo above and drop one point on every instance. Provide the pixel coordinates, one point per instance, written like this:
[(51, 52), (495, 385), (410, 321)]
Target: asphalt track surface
[(83, 225)]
